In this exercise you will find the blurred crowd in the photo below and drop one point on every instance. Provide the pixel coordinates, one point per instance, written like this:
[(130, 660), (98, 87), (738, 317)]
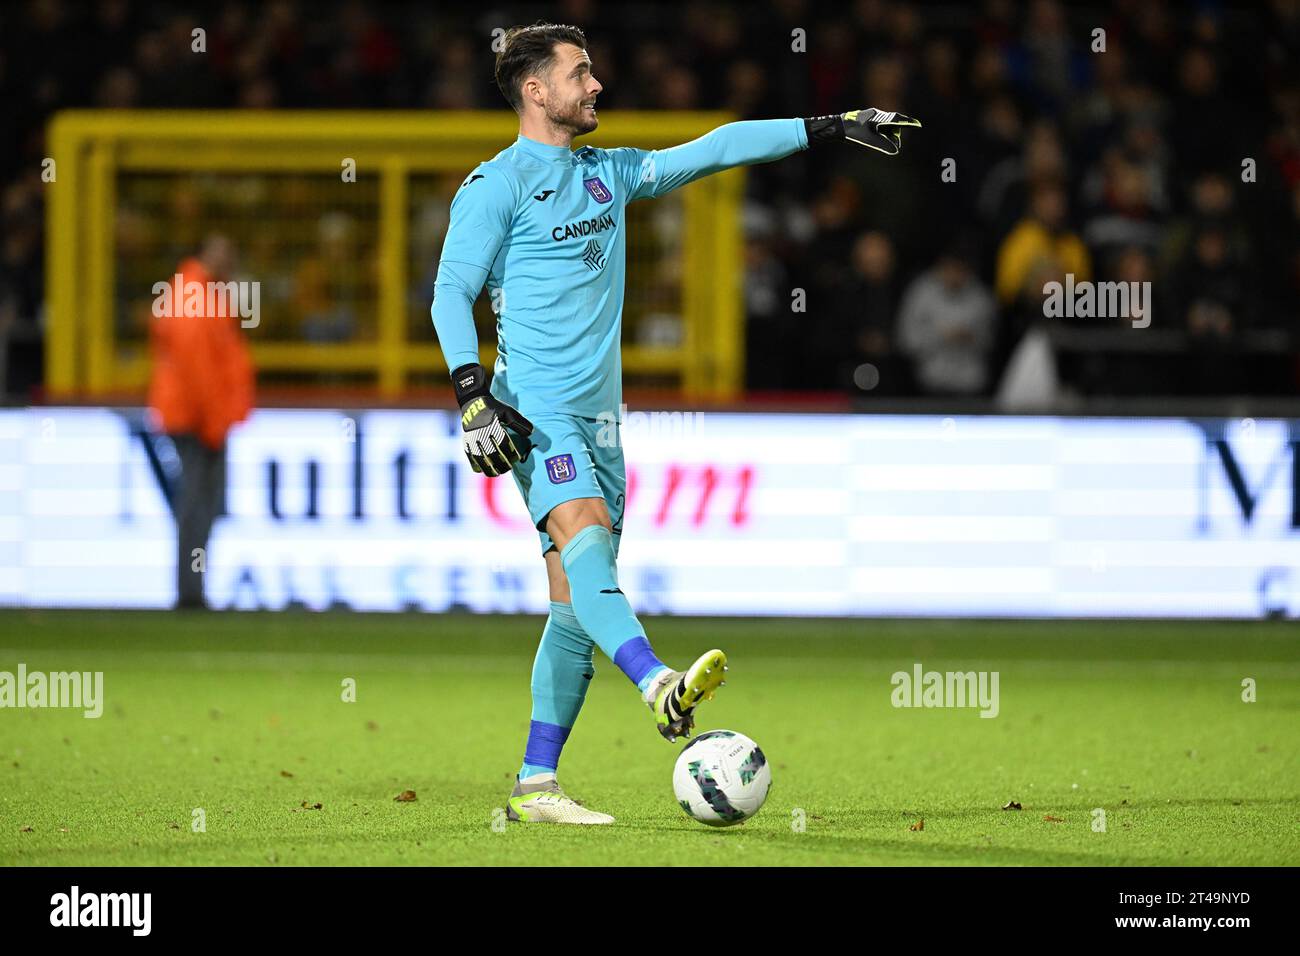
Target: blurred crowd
[(1164, 149)]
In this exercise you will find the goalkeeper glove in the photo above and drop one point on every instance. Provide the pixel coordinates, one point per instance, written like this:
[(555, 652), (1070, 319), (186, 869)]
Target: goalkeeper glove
[(873, 128), (487, 444)]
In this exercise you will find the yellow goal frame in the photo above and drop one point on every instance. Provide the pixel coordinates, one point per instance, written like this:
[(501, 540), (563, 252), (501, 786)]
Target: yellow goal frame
[(89, 147)]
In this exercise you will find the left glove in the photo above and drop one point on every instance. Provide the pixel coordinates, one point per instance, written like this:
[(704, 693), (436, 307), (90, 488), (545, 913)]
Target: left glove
[(484, 419), (870, 127)]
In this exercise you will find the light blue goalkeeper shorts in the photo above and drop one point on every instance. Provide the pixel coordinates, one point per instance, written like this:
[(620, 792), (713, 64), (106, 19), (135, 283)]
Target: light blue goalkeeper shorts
[(572, 458)]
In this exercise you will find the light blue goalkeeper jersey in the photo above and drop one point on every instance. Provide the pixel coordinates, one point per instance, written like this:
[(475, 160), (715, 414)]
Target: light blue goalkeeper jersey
[(545, 228)]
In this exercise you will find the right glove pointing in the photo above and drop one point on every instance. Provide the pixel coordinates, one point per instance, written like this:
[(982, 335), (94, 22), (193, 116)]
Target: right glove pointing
[(877, 129)]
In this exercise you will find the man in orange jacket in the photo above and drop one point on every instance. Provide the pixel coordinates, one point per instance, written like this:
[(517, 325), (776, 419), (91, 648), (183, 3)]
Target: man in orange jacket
[(201, 386)]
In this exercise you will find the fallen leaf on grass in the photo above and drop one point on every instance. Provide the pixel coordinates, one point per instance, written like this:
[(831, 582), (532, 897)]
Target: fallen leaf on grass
[(1012, 805), (1048, 818), (918, 825), (406, 796), (26, 830)]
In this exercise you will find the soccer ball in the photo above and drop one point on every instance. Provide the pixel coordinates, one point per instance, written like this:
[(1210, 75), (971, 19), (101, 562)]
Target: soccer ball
[(721, 778)]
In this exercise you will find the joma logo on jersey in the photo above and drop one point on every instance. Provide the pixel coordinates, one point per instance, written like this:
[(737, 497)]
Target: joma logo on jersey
[(593, 256), (583, 227)]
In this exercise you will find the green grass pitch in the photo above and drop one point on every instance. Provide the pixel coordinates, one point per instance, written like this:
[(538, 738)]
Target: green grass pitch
[(241, 715)]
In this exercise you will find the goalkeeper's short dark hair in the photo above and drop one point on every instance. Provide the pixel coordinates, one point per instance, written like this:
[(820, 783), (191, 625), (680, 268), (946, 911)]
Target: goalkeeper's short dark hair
[(527, 51)]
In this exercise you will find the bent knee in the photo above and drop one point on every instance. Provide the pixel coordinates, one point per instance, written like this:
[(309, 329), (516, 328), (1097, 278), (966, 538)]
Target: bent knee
[(570, 517)]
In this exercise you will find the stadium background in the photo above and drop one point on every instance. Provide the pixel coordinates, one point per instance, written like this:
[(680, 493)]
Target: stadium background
[(1162, 480), (1139, 151)]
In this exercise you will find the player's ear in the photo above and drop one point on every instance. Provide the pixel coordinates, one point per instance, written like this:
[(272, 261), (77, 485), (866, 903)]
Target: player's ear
[(533, 90)]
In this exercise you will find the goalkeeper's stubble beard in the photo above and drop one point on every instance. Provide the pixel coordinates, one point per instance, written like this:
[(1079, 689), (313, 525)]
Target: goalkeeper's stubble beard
[(574, 118)]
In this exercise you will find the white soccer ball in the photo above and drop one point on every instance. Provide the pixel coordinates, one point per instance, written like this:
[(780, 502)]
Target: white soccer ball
[(721, 778)]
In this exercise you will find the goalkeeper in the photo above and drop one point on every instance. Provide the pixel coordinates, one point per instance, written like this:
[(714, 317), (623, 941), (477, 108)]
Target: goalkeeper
[(543, 226)]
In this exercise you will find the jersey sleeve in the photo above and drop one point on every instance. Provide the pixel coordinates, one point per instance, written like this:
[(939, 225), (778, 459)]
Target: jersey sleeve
[(648, 174), (481, 213), (454, 292)]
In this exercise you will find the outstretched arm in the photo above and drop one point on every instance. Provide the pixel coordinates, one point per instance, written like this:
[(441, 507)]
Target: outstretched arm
[(657, 172)]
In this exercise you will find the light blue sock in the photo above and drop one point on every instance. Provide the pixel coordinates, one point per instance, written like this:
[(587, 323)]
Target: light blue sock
[(654, 672), (602, 609), (562, 670)]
